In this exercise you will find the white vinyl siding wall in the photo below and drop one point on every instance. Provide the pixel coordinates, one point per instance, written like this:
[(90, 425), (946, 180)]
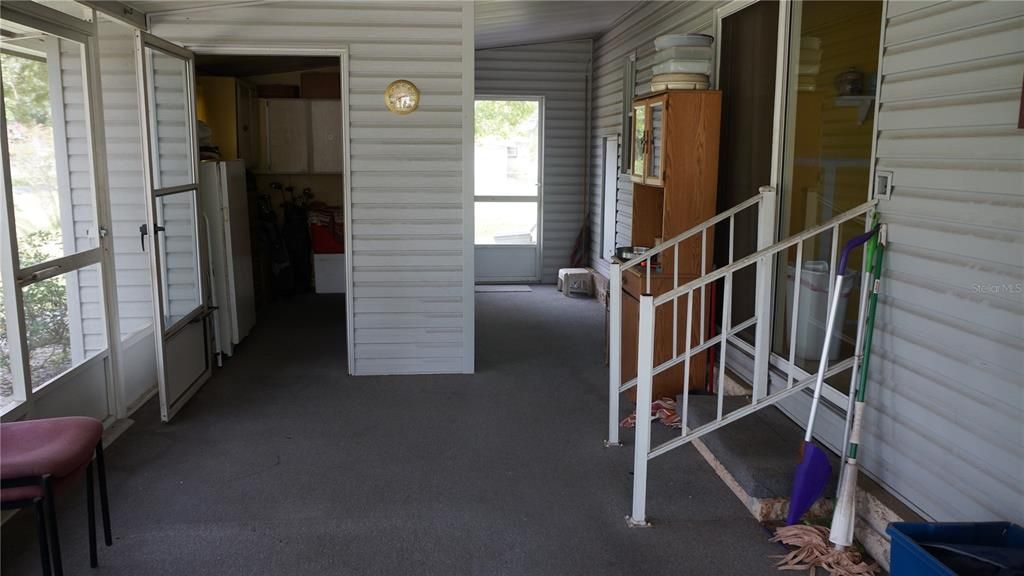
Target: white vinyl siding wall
[(84, 291), (412, 275), (558, 72), (634, 33), (945, 420), (124, 172), (944, 425)]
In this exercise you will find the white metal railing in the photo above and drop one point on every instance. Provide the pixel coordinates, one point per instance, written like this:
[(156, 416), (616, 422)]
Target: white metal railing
[(765, 204), (763, 260)]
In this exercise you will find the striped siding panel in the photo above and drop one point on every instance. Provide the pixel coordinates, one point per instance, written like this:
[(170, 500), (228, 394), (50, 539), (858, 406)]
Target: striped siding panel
[(84, 297), (399, 164), (558, 72), (634, 33), (124, 171), (949, 374)]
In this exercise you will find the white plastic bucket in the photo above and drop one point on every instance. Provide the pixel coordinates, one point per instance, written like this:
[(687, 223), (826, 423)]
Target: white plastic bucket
[(813, 313)]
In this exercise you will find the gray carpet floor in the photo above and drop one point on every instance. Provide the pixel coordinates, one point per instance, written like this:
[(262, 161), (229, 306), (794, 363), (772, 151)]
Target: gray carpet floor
[(283, 464)]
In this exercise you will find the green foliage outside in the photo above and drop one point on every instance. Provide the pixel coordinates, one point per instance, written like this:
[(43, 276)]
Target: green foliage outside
[(26, 90), (503, 119), (46, 323), (37, 216)]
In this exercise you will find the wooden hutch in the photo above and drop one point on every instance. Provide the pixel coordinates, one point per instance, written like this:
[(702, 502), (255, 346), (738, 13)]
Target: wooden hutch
[(674, 168)]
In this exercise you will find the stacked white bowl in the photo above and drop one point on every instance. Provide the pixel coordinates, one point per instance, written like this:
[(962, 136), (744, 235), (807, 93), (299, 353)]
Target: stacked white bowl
[(682, 62)]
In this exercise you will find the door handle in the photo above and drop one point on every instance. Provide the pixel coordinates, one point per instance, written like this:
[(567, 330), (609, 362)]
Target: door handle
[(143, 232)]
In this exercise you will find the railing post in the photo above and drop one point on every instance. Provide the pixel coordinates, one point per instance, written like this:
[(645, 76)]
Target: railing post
[(644, 385), (766, 236), (614, 352)]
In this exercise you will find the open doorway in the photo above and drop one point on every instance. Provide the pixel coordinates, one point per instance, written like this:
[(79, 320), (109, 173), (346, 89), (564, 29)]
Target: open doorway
[(508, 148), (271, 175)]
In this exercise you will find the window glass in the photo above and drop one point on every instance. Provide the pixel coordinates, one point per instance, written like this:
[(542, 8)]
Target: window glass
[(507, 148), (180, 260), (169, 113), (6, 377), (827, 166), (506, 222), (64, 323), (48, 142)]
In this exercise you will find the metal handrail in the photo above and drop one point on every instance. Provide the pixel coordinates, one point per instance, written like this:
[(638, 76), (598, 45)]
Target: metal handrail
[(763, 259), (686, 235), (770, 251), (764, 200)]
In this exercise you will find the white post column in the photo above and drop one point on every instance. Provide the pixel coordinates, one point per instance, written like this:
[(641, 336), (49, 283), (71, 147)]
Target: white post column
[(766, 219), (644, 384), (614, 352)]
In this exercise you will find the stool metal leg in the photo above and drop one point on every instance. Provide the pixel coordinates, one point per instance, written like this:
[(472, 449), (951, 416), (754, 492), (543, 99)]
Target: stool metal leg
[(90, 506), (101, 468), (51, 524), (44, 549)]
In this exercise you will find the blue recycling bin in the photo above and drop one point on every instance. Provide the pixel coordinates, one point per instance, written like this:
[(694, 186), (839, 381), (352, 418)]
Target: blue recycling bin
[(954, 548)]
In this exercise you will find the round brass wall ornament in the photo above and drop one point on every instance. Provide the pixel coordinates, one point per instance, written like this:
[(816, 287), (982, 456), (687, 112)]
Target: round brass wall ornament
[(402, 97)]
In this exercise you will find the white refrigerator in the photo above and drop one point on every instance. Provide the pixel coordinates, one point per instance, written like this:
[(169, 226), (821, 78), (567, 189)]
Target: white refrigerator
[(226, 218)]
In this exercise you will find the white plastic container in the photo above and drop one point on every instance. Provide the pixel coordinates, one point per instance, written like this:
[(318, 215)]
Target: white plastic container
[(684, 53), (670, 40), (813, 314), (682, 67)]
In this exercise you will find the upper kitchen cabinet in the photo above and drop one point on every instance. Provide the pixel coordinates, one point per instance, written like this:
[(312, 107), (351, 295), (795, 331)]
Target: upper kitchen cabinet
[(285, 141), (300, 136), (326, 135)]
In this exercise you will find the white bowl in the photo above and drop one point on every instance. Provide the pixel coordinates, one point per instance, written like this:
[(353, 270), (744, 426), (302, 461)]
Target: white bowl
[(669, 40), (683, 67)]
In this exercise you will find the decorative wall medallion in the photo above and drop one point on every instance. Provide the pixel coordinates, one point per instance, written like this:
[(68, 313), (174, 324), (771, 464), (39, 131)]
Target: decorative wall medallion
[(402, 97)]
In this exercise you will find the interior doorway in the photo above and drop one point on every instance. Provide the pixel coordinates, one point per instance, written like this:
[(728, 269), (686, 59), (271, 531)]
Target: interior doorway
[(272, 140), (509, 182)]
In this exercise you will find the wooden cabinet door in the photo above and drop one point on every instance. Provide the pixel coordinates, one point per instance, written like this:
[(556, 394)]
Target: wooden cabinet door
[(326, 127), (286, 135), (639, 135), (655, 168)]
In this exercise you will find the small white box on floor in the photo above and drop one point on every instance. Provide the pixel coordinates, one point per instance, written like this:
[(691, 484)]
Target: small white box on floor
[(329, 273), (575, 281)]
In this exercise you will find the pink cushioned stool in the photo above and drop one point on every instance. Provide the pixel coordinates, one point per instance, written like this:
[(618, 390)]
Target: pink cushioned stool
[(42, 458)]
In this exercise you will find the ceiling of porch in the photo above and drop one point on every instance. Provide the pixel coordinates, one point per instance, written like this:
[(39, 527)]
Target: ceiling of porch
[(498, 22)]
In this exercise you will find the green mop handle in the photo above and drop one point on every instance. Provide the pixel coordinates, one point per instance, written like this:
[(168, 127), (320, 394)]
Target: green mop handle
[(877, 249)]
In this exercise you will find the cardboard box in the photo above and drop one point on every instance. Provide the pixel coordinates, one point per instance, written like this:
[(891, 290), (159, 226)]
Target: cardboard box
[(322, 85)]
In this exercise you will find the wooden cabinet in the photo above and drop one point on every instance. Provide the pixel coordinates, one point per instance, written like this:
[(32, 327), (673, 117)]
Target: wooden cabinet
[(300, 136), (285, 139), (669, 382), (675, 174), (325, 116)]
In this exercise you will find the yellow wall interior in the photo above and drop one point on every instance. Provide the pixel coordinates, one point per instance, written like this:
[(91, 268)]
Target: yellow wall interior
[(215, 106)]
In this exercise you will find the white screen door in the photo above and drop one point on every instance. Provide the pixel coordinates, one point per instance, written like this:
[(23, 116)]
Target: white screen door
[(172, 231), (508, 178), (610, 195)]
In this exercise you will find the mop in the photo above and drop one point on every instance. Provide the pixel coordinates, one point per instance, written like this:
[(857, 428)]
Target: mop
[(842, 521), (812, 549), (814, 470)]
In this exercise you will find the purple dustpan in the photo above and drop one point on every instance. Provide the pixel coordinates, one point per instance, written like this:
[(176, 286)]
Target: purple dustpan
[(811, 477)]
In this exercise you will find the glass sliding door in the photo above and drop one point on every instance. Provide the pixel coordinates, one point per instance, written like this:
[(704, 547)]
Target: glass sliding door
[(55, 247), (508, 184), (825, 169)]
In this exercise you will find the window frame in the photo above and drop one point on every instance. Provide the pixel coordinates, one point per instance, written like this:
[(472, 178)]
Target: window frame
[(16, 278)]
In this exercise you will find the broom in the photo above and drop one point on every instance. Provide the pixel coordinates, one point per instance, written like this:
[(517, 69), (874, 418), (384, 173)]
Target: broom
[(814, 469), (841, 533)]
